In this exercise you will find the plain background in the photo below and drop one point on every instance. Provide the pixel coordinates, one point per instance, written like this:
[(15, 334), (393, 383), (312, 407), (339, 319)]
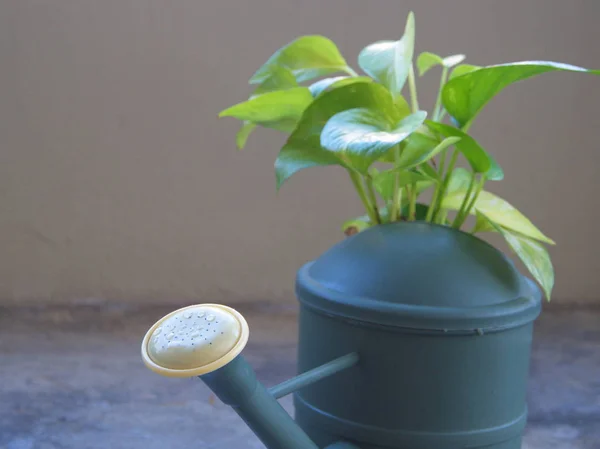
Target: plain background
[(118, 181)]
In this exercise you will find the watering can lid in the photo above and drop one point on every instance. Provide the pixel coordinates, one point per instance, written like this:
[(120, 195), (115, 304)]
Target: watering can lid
[(419, 275)]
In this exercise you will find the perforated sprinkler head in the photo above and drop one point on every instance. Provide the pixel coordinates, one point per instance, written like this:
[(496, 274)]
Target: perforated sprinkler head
[(194, 340), (206, 340)]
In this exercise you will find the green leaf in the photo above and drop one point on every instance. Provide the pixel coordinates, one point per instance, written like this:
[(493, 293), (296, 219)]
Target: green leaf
[(464, 96), (418, 150), (424, 185), (327, 84), (428, 60), (279, 78), (422, 138), (307, 57), (303, 147), (357, 95), (422, 176), (292, 159), (362, 135), (389, 61), (385, 181), (242, 135), (429, 171), (421, 186), (479, 159), (451, 61), (417, 139), (462, 70), (318, 87), (498, 211), (356, 225), (482, 224), (533, 255), (459, 181), (279, 109)]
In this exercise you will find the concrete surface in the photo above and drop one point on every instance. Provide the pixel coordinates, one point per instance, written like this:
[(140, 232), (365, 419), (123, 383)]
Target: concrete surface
[(72, 378)]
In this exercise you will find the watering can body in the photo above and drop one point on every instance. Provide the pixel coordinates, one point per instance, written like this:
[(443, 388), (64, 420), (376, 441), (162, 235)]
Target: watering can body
[(442, 323), (411, 336)]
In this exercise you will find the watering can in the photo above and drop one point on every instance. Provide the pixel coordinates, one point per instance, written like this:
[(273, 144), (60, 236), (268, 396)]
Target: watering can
[(412, 336)]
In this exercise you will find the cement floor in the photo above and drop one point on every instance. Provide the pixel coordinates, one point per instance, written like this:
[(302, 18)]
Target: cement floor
[(73, 378)]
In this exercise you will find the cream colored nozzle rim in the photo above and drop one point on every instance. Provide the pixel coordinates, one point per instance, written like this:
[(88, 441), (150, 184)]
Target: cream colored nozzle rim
[(194, 340)]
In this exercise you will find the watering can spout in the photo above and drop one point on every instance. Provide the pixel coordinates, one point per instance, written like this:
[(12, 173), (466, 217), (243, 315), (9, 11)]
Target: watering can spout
[(206, 341)]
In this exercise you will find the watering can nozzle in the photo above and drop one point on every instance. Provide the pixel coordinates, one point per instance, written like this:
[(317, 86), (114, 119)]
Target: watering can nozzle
[(206, 341), (195, 340)]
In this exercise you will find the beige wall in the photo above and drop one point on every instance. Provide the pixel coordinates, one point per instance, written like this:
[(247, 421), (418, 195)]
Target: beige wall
[(118, 181)]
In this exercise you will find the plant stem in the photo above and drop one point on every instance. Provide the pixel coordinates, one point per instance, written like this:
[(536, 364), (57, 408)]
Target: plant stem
[(413, 202), (399, 204), (460, 216), (467, 211), (442, 163), (442, 217), (350, 71), (432, 204), (467, 125), (444, 186), (413, 89), (438, 102), (436, 192), (395, 207), (373, 198), (358, 185), (412, 196), (434, 213)]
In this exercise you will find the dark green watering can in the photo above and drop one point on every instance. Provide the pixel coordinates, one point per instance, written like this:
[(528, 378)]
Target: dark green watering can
[(412, 336)]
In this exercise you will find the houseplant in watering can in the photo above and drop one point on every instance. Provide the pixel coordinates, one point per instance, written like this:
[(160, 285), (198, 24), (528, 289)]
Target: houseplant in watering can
[(414, 332)]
